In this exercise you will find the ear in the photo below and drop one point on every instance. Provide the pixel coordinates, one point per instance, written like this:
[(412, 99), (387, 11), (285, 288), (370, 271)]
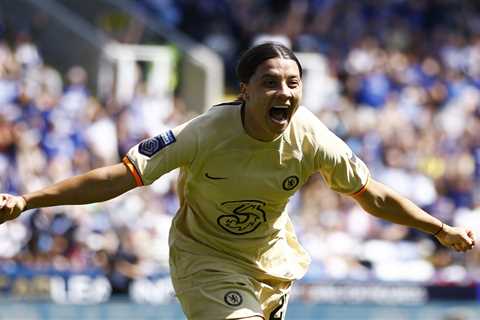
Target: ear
[(243, 91)]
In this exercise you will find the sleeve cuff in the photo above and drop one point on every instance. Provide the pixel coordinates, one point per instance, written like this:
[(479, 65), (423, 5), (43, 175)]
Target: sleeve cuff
[(362, 189), (133, 170)]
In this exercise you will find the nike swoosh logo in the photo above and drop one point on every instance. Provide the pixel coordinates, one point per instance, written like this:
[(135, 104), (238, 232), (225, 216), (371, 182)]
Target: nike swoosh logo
[(214, 178)]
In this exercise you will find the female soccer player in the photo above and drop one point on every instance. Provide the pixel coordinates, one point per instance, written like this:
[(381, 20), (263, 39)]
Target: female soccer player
[(233, 250)]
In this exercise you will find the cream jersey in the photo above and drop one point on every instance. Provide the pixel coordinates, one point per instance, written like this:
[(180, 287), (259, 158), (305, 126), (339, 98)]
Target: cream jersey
[(234, 189)]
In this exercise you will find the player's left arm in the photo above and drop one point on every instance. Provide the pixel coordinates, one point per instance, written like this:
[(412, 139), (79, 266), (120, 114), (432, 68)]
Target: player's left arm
[(381, 201)]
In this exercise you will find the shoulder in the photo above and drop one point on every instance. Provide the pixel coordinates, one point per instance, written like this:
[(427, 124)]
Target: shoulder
[(303, 114), (222, 111), (215, 122), (309, 126), (216, 113), (307, 121)]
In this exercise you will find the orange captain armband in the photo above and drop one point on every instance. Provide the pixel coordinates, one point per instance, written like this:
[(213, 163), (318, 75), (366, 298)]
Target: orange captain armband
[(131, 168), (362, 189)]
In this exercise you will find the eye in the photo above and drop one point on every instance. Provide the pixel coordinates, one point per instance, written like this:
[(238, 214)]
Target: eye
[(292, 84), (270, 83)]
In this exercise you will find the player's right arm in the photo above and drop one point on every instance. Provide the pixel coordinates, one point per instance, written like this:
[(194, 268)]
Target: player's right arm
[(94, 186), (144, 163)]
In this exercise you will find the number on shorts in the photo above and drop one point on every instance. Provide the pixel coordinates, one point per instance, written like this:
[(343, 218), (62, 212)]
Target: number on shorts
[(279, 312)]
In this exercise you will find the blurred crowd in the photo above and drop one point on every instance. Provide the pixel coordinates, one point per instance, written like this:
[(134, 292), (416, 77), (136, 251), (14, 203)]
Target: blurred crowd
[(400, 86), (51, 127)]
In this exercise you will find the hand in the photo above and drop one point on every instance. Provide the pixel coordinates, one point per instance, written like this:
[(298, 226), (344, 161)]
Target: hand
[(11, 206), (460, 239)]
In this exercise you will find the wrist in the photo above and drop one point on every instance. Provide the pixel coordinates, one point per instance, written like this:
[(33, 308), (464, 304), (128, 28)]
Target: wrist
[(440, 230), (25, 207)]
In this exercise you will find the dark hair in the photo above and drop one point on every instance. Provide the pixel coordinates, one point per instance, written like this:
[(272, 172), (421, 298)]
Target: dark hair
[(253, 57)]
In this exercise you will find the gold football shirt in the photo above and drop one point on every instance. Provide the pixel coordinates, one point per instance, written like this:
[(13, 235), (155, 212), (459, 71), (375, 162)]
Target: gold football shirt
[(233, 190)]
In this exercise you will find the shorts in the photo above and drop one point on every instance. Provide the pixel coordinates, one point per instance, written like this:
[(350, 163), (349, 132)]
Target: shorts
[(215, 295)]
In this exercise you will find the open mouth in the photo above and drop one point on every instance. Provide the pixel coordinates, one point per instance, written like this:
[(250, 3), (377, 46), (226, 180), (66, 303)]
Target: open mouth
[(279, 114)]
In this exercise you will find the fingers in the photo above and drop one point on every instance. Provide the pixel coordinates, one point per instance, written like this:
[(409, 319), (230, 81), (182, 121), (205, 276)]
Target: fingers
[(4, 211), (463, 245), (460, 239), (469, 239), (471, 235), (8, 204), (458, 247), (3, 205), (3, 200)]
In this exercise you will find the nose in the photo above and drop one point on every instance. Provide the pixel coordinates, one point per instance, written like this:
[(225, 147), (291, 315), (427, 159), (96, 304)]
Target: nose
[(284, 91)]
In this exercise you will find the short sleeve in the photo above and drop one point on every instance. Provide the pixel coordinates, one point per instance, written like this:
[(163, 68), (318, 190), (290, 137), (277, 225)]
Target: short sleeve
[(341, 169), (153, 157)]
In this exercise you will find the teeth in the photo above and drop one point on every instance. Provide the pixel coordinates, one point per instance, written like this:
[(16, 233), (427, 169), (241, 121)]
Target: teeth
[(281, 107)]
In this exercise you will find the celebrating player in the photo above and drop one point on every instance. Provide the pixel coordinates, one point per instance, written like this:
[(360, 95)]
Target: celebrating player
[(233, 250)]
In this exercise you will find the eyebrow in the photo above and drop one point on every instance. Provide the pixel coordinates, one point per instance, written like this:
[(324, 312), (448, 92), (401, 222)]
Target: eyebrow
[(277, 75), (270, 74)]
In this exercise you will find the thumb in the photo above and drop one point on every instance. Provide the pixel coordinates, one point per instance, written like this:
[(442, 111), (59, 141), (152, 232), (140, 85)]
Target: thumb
[(4, 197), (471, 235), (15, 206)]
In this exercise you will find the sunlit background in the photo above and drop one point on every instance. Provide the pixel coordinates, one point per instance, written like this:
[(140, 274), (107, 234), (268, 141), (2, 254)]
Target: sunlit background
[(83, 81)]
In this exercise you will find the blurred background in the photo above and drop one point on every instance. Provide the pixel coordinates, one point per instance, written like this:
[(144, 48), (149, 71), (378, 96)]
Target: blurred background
[(83, 81)]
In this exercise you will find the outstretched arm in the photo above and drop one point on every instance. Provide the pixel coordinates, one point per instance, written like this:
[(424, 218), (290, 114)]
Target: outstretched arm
[(94, 186), (381, 201)]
